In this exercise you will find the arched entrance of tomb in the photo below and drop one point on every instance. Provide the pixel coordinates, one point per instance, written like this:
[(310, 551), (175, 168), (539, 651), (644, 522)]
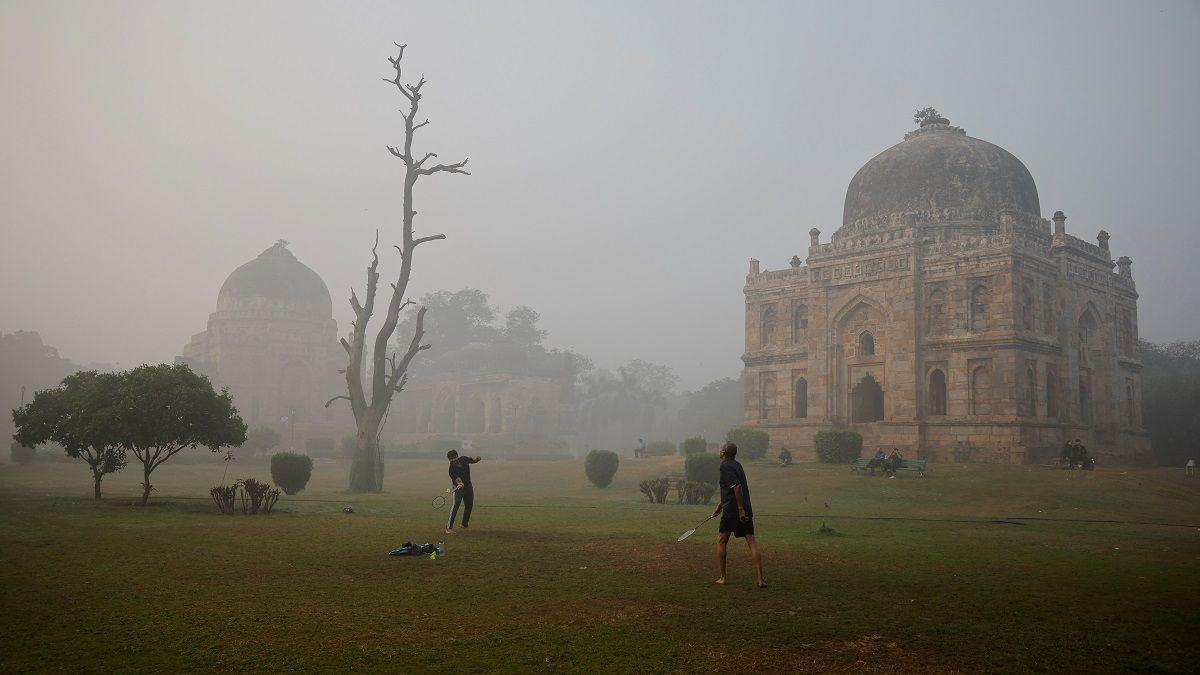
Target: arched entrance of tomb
[(866, 400), (494, 420), (859, 342), (445, 416), (474, 417)]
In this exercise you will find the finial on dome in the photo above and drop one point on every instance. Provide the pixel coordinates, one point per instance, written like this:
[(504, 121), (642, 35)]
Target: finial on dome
[(279, 250)]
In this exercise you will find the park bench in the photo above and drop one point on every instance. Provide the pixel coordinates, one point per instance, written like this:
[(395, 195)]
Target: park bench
[(917, 466)]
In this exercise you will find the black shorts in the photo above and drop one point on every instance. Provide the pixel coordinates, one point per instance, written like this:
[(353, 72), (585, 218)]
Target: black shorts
[(735, 526)]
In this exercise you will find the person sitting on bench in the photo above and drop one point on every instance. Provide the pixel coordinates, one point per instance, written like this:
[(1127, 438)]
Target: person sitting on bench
[(877, 460), (1067, 457), (893, 462)]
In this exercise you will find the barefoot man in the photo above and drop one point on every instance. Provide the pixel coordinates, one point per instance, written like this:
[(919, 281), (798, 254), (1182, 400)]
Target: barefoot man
[(737, 516), (464, 493)]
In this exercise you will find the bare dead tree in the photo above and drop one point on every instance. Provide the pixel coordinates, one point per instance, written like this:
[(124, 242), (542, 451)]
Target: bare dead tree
[(388, 374)]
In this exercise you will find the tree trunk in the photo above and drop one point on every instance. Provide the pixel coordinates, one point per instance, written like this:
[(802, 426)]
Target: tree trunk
[(146, 484), (366, 470), (96, 475)]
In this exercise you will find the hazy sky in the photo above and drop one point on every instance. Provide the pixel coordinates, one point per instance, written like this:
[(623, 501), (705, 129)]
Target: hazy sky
[(629, 158)]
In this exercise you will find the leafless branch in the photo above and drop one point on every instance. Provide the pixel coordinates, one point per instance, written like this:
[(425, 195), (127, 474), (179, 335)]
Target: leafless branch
[(433, 237), (336, 398), (457, 167)]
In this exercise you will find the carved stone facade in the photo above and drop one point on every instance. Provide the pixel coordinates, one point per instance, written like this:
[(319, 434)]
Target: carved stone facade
[(273, 341), (948, 318)]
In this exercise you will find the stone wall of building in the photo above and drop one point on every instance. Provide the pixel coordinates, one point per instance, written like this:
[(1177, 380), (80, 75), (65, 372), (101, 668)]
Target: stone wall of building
[(962, 333)]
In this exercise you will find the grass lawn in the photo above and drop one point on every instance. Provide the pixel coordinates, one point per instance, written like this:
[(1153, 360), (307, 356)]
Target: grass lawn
[(974, 568)]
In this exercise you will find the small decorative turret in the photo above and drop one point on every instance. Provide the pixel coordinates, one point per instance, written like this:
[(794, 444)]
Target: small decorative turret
[(753, 266), (814, 237), (1060, 222), (796, 261), (1102, 239), (1124, 263)]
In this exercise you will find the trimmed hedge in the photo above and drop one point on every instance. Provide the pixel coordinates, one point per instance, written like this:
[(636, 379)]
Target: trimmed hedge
[(21, 454), (702, 468), (838, 446), (752, 443), (600, 467), (291, 471), (660, 449), (693, 445)]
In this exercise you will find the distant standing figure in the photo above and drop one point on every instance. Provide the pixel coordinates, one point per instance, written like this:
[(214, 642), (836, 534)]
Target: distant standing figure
[(1190, 468), (640, 450), (464, 492), (737, 515)]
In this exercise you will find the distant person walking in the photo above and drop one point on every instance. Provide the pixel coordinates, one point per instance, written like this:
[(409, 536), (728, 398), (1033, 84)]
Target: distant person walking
[(464, 493), (737, 514), (640, 450)]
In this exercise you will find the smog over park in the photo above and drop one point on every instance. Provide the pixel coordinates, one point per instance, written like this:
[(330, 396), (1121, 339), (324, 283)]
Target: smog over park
[(283, 283)]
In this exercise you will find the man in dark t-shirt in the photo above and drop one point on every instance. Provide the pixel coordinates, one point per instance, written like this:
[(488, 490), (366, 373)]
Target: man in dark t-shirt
[(460, 482), (737, 514)]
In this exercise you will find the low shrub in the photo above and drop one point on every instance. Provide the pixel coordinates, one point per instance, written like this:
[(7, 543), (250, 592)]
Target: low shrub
[(692, 492), (694, 445), (703, 468), (655, 489), (660, 449), (837, 446), (260, 497), (222, 496), (291, 471), (600, 467), (255, 497), (320, 446), (752, 443), (21, 454)]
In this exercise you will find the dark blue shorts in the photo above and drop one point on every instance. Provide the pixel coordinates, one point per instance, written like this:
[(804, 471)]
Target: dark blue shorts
[(734, 526)]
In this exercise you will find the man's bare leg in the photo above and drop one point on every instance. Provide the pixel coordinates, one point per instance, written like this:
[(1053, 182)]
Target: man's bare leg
[(756, 557), (722, 546)]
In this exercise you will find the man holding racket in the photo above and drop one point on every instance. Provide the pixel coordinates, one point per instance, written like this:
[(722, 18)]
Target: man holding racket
[(737, 515), (460, 480)]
